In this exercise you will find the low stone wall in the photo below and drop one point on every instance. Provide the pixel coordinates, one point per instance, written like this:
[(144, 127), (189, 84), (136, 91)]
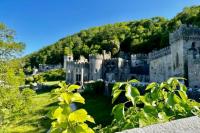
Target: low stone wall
[(185, 125)]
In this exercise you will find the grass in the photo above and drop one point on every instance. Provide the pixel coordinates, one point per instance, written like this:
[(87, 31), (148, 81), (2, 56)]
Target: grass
[(51, 83), (99, 107), (36, 121)]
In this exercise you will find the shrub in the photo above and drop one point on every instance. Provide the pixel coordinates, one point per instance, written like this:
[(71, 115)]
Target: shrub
[(53, 75), (95, 88), (161, 102)]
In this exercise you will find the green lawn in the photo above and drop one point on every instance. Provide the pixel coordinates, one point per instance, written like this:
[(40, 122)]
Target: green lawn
[(36, 121), (51, 83), (99, 107)]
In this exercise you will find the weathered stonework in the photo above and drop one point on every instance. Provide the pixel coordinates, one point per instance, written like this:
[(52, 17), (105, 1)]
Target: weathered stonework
[(180, 59), (103, 67), (185, 125)]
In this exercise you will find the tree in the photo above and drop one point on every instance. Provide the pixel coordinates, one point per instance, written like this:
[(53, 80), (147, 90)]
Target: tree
[(12, 101)]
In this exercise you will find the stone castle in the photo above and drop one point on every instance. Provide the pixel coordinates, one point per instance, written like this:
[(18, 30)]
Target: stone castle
[(180, 59)]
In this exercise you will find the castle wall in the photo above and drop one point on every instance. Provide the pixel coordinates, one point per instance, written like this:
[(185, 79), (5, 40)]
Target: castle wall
[(160, 65), (160, 68), (194, 69), (138, 59), (177, 61), (76, 71), (95, 67), (180, 42)]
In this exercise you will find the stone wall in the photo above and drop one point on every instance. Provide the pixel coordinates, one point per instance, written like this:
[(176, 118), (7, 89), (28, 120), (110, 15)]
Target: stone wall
[(194, 70), (77, 71), (185, 125), (160, 68), (95, 67)]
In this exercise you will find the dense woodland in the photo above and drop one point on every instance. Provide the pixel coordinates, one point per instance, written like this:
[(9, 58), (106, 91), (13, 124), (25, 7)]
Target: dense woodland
[(139, 36)]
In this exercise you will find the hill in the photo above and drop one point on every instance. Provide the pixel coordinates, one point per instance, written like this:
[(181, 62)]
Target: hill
[(141, 36)]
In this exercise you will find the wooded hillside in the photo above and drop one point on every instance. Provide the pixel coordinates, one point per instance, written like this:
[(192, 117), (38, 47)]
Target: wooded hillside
[(141, 36)]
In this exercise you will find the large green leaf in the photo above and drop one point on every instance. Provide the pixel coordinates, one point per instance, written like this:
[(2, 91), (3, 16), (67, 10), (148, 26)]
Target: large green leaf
[(133, 81), (165, 85), (150, 110), (77, 98), (173, 99), (170, 99), (73, 87), (116, 95), (118, 111), (183, 95), (144, 100), (51, 112), (163, 117), (70, 97), (174, 80), (66, 97), (80, 116), (83, 128), (151, 86), (131, 93), (183, 87), (116, 86), (57, 114)]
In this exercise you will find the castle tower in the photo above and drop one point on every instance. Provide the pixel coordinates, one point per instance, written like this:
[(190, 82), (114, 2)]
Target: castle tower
[(95, 67), (68, 64), (181, 41)]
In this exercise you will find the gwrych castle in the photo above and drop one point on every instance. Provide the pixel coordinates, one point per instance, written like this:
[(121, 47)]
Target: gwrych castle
[(180, 59)]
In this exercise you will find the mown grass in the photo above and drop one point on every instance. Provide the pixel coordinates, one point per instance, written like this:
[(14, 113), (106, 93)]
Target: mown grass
[(36, 121), (98, 106)]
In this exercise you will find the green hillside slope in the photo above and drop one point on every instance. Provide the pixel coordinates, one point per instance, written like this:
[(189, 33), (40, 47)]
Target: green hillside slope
[(141, 36)]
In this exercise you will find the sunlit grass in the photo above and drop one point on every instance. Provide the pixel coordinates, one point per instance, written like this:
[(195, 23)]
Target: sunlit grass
[(36, 120)]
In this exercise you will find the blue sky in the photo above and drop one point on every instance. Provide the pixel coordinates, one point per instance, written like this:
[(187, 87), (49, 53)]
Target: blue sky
[(39, 23)]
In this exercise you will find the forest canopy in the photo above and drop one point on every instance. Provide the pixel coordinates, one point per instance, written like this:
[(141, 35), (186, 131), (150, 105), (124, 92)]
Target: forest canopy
[(139, 36)]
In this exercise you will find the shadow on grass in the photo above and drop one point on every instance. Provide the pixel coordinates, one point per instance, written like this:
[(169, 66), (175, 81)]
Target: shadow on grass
[(99, 107)]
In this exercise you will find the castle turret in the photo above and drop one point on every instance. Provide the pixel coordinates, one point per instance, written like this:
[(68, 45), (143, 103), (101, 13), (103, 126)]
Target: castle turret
[(95, 66), (68, 64), (181, 41)]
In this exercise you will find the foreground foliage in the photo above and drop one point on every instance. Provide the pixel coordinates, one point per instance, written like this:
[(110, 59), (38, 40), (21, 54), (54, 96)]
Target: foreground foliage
[(13, 102), (66, 120), (161, 103)]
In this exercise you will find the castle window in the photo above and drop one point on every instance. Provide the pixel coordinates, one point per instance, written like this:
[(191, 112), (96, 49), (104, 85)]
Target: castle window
[(78, 77), (177, 60)]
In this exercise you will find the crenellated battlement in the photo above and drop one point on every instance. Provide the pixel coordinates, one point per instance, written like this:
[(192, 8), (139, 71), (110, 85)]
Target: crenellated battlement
[(185, 32), (159, 53)]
